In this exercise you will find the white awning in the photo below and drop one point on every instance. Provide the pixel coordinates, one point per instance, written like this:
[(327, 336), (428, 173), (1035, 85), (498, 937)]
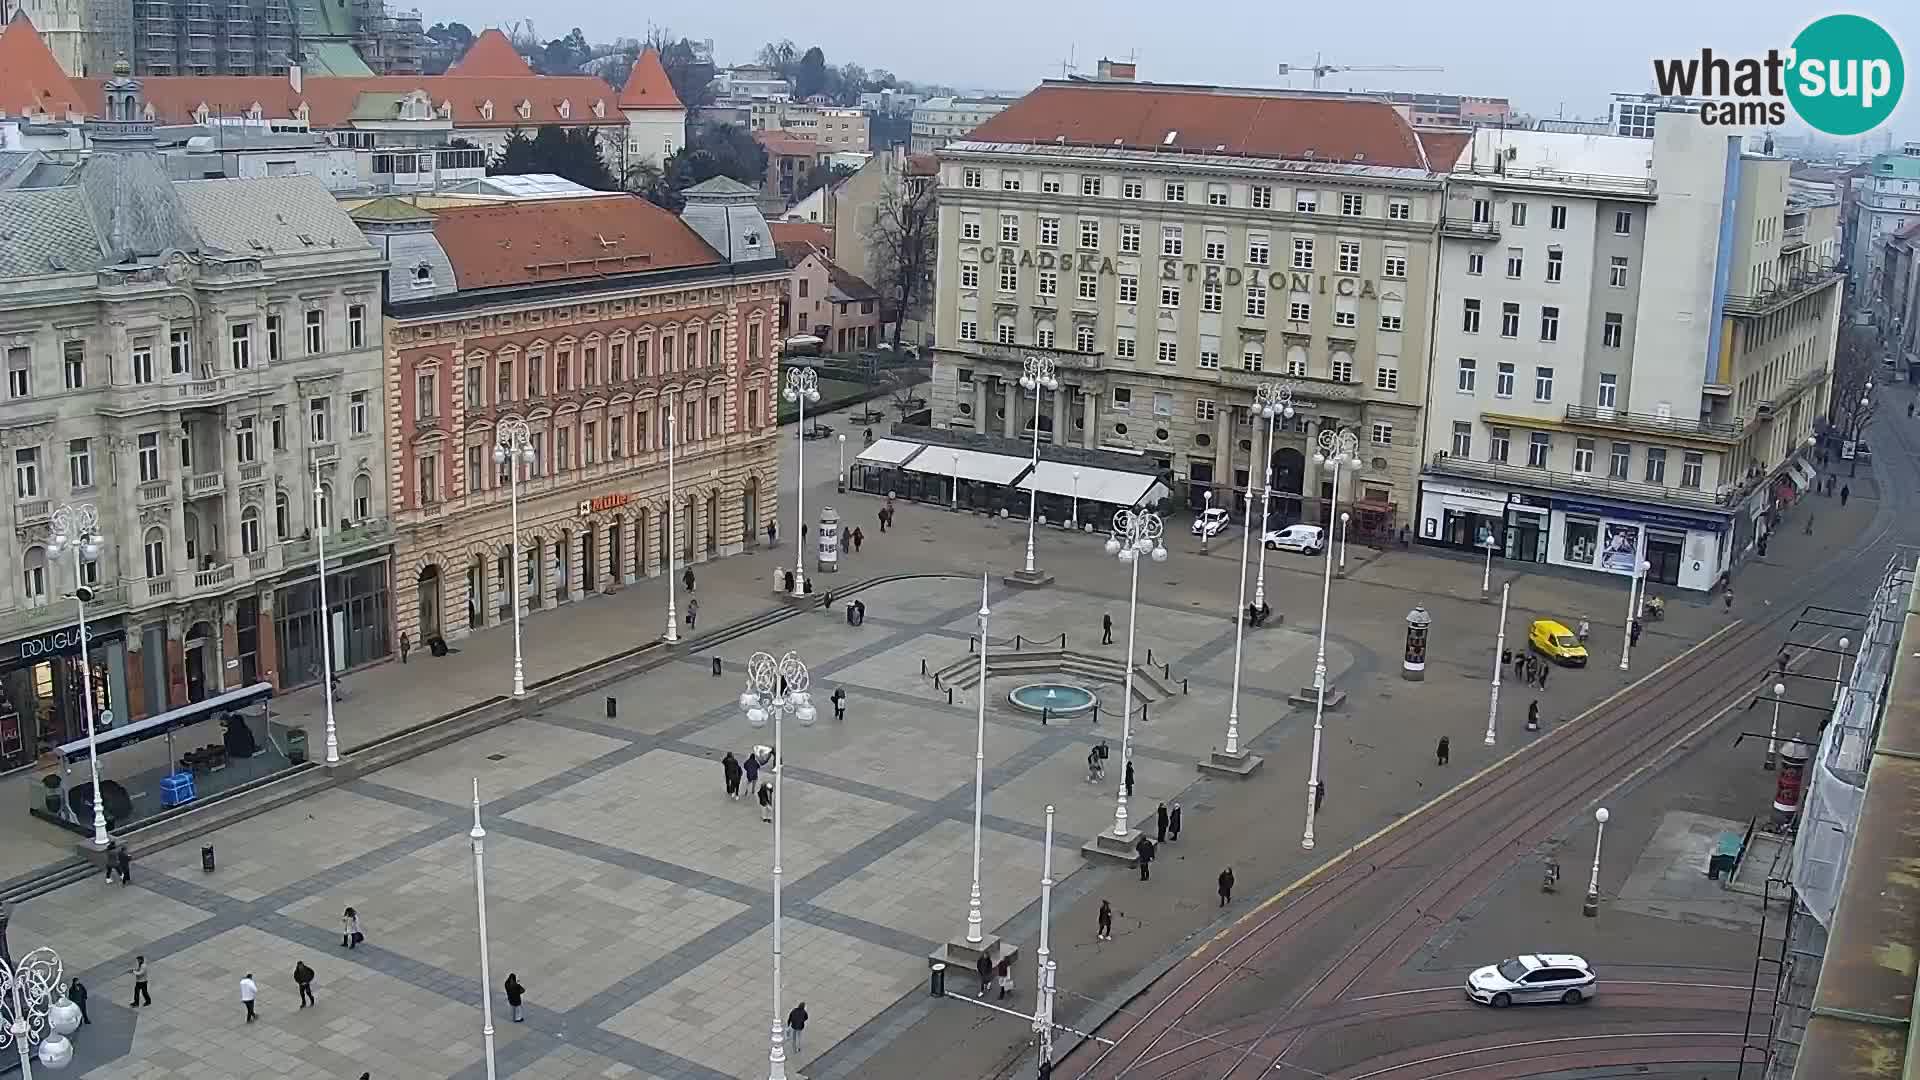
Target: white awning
[(889, 452), (1095, 484), (973, 465)]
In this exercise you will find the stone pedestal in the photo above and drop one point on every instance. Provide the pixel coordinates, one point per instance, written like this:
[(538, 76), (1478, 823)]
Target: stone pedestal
[(962, 960), (1238, 765), (1308, 697), (1023, 580), (1110, 848)]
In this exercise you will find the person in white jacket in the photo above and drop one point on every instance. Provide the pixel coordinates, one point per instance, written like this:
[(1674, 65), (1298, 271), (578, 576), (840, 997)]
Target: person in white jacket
[(248, 992)]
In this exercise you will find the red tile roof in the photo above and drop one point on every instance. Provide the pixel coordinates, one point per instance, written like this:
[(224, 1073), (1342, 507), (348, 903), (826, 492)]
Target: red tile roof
[(523, 243), (647, 84), (331, 101), (491, 54), (923, 165), (1444, 147), (851, 284), (796, 251), (811, 233), (32, 80), (789, 144), (1253, 123)]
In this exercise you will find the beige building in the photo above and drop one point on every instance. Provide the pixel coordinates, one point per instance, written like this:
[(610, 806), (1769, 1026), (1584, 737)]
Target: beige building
[(1175, 247), (835, 129)]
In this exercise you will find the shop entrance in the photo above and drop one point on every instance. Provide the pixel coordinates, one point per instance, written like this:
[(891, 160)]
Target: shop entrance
[(1289, 473), (1199, 482), (1469, 530), (427, 594), (589, 559), (1526, 537), (1664, 552), (200, 660)]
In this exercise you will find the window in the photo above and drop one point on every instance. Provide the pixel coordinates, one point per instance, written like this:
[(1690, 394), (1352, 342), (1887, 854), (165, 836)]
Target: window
[(1543, 384), (1217, 195), (180, 351), (1656, 465), (1129, 239), (1619, 461), (1209, 356), (273, 338), (1090, 233), (1623, 223), (1556, 216), (1256, 301), (155, 547), (316, 331), (1383, 434), (244, 449), (1514, 262), (1260, 197), (1009, 277), (1049, 284), (1043, 335), (1091, 185), (617, 354), (1343, 313), (1539, 449), (1509, 320), (1519, 213), (1211, 296), (74, 357), (1306, 202), (426, 395), (969, 275), (1004, 332), (1476, 263), (19, 372), (1216, 249), (1483, 211), (1499, 440), (1049, 184), (1555, 265), (1470, 316), (1617, 272), (250, 531), (1609, 390), (357, 412), (1009, 228), (1122, 399), (1205, 410), (1253, 357), (240, 346), (148, 456), (617, 437), (142, 364), (1393, 266), (1124, 347), (1173, 191), (1549, 324), (79, 464), (318, 426), (1462, 439), (1352, 205), (1386, 374), (1349, 257), (1465, 376), (1083, 338), (279, 429), (1259, 248), (970, 178), (1162, 404), (970, 227), (1049, 230), (1503, 380), (1583, 455), (1172, 240), (1297, 362), (1342, 368), (356, 326), (1303, 253), (1692, 465), (1089, 287), (969, 330), (1169, 352), (1009, 181), (1132, 189), (1389, 321), (26, 473), (1129, 289), (1299, 310), (1399, 210)]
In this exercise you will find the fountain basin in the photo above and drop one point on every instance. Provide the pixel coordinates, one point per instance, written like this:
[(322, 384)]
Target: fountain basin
[(1055, 699)]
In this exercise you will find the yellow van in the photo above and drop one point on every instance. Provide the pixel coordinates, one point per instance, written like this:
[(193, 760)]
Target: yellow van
[(1555, 642)]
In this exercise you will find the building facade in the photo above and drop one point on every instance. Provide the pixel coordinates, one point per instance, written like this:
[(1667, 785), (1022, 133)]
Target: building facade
[(192, 359), (1175, 247), (1887, 201), (593, 346), (837, 130), (941, 120), (830, 303), (1603, 392)]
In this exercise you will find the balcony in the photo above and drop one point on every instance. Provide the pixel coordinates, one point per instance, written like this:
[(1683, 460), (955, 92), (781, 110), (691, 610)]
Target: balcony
[(30, 511), (60, 611), (1793, 239), (201, 485), (154, 492), (1580, 484), (340, 542), (1017, 354), (1654, 424), (213, 576), (251, 473), (1458, 229), (1766, 303)]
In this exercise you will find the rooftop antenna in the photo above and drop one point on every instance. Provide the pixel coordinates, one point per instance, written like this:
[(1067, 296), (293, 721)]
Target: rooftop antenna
[(1067, 66), (1321, 69)]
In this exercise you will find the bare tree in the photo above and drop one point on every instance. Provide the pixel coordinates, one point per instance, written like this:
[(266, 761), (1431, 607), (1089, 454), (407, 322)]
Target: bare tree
[(1853, 368), (903, 386), (901, 241)]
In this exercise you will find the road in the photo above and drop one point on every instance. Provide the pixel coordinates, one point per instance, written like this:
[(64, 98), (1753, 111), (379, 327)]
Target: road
[(1314, 982)]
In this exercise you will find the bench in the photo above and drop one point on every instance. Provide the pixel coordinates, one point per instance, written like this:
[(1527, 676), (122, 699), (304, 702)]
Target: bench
[(1726, 855)]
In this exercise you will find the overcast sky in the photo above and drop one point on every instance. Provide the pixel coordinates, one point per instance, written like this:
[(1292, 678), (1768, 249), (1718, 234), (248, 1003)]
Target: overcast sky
[(1544, 57)]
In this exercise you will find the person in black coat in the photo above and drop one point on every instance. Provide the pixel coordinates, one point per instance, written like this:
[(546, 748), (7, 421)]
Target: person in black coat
[(985, 967), (515, 992), (730, 769), (797, 1026), (1129, 779), (1144, 852), (1160, 820), (766, 801), (77, 993), (1173, 822), (1226, 886), (303, 980)]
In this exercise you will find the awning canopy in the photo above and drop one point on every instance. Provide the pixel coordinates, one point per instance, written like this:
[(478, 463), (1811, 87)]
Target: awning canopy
[(973, 465), (172, 720), (889, 452), (1095, 484)]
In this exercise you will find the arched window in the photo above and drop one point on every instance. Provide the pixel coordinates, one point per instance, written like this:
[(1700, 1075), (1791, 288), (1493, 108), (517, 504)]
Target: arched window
[(250, 530), (282, 516), (33, 576), (363, 497), (156, 551), (323, 507)]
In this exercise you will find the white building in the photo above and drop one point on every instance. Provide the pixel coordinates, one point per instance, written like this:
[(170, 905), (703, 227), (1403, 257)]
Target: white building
[(1631, 341), (939, 121), (656, 118), (1886, 202)]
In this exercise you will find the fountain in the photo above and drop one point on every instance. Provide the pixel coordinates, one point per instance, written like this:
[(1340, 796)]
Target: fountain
[(1053, 699)]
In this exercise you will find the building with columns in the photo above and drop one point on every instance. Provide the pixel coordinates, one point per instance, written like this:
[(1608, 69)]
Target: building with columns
[(1174, 247), (178, 356), (593, 321)]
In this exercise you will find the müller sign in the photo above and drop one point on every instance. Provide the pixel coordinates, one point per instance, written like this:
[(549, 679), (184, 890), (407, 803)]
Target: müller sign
[(1175, 270)]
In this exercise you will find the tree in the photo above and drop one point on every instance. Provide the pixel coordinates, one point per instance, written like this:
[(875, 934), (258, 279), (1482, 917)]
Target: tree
[(446, 42), (1853, 368), (563, 56), (714, 150), (692, 77), (900, 240), (810, 77), (573, 153), (779, 56)]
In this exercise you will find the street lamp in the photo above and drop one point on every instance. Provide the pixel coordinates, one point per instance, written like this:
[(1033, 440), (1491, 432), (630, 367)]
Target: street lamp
[(956, 479), (479, 837), (1633, 608), (320, 509), (974, 920), (513, 447), (1074, 520), (1773, 728), (840, 481), (1592, 906), (803, 385), (1343, 540), (1044, 968), (776, 688), (673, 534), (1336, 449), (76, 527), (1270, 400), (1840, 669), (1038, 374), (33, 990), (1206, 508), (1135, 533), (1486, 575), (1499, 651), (1275, 402)]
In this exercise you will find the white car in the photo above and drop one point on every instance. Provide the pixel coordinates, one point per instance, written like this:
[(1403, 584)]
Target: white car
[(1535, 978), (1213, 522), (1305, 539)]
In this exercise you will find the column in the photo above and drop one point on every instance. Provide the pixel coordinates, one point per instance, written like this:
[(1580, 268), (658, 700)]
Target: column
[(230, 546), (1310, 483), (1061, 407), (980, 405), (1011, 427), (177, 504), (1090, 438), (228, 677), (1223, 447)]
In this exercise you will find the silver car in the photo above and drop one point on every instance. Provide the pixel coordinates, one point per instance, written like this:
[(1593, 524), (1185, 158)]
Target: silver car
[(1533, 979)]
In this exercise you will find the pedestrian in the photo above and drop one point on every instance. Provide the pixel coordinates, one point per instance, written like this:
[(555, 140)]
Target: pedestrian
[(303, 980), (515, 992), (766, 802), (1173, 822), (826, 600), (1845, 491), (248, 991), (406, 646), (1094, 771), (1106, 922), (858, 538), (1520, 665), (1909, 410), (751, 769), (1809, 528), (686, 579), (730, 769), (797, 1026), (846, 542), (1129, 779), (693, 610), (1545, 670), (883, 519), (1144, 852), (1440, 751), (1585, 629), (1633, 634), (350, 935), (1780, 662), (77, 993), (1004, 975), (1319, 794), (984, 966), (1533, 715), (1106, 628), (771, 533), (1726, 596), (123, 862), (839, 700), (140, 995), (1160, 818), (1226, 886)]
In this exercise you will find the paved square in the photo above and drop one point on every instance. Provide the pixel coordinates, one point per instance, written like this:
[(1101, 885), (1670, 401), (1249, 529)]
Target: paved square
[(527, 753), (923, 887)]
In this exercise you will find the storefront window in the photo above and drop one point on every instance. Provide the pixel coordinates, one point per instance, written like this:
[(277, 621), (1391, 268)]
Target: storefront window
[(357, 598), (42, 691), (1583, 541)]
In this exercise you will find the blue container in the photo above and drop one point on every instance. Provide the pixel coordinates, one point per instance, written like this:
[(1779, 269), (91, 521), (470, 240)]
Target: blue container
[(177, 789)]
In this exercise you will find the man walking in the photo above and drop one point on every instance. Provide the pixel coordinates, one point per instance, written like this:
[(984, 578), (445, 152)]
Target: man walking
[(1726, 596), (752, 772), (1226, 886), (1633, 635), (984, 967), (140, 995), (686, 579), (1106, 922), (1173, 822), (1319, 794), (1440, 751), (693, 611), (766, 802), (1144, 852), (248, 991), (1160, 818), (1845, 491), (730, 769), (796, 1026), (303, 979), (1129, 779), (883, 519), (1106, 628), (839, 700), (1533, 715), (406, 646), (77, 993), (1545, 670)]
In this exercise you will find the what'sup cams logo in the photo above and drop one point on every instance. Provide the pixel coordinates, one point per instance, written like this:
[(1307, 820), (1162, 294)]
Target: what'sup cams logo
[(1842, 76)]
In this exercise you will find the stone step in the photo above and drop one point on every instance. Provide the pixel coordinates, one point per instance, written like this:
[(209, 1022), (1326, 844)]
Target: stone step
[(1106, 847), (1239, 765), (1309, 697)]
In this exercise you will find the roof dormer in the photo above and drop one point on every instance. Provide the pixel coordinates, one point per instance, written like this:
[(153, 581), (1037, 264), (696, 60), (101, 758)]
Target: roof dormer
[(524, 110), (486, 109), (201, 113), (566, 109), (444, 110), (255, 112), (599, 109)]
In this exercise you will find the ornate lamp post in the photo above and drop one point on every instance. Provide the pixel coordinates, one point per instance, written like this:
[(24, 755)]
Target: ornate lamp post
[(1270, 400), (975, 921), (1344, 516), (1275, 402), (1592, 907), (1337, 450), (478, 836), (1640, 567), (33, 991), (1499, 651), (673, 535), (320, 509), (77, 528), (1773, 728), (803, 385), (776, 688), (840, 482), (1840, 669), (513, 447), (1043, 976), (1075, 519), (1135, 533), (1037, 375)]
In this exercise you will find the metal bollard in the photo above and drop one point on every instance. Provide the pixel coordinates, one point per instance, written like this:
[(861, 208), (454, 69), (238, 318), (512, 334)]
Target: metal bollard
[(1149, 657), (1044, 714), (923, 667), (613, 706), (206, 858), (949, 695), (936, 680), (1166, 670), (1183, 686), (939, 975), (716, 667)]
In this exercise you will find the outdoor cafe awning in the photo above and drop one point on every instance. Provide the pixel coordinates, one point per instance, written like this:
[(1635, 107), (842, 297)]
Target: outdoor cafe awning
[(172, 720), (973, 465), (888, 452), (1095, 484)]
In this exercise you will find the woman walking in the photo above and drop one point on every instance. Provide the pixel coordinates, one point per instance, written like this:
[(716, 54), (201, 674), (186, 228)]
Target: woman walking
[(77, 993), (350, 935), (515, 992), (1106, 921)]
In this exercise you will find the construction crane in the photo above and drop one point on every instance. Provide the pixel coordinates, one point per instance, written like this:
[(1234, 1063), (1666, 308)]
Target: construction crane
[(1321, 70)]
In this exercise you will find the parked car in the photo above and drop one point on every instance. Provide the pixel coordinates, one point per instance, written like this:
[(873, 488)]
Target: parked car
[(1554, 641), (1536, 978), (1212, 522), (1305, 539)]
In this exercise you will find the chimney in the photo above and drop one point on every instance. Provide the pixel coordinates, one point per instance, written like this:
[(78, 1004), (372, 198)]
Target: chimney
[(293, 77), (1115, 70)]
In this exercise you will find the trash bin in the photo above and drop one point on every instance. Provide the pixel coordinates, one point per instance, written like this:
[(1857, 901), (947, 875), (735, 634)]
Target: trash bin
[(296, 746), (206, 858), (939, 987)]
